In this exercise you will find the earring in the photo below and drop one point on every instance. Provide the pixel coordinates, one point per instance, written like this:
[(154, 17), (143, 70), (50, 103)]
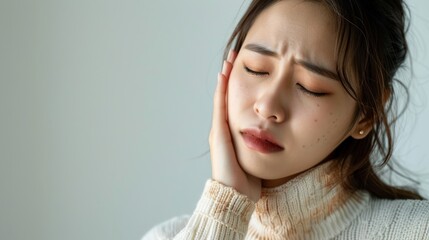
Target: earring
[(361, 132)]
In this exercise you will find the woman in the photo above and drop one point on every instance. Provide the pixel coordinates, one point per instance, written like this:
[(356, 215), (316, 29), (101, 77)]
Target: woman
[(301, 126)]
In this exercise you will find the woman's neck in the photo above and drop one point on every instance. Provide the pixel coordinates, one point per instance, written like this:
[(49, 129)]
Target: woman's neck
[(270, 183)]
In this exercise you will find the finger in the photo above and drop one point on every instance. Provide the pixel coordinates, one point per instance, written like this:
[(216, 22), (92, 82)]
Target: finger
[(226, 72), (226, 69), (219, 100), (231, 56)]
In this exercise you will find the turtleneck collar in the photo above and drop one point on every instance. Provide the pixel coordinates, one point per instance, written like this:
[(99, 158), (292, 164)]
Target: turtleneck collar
[(311, 206)]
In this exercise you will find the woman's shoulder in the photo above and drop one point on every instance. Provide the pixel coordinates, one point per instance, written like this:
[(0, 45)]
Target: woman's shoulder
[(385, 217), (403, 209), (168, 229)]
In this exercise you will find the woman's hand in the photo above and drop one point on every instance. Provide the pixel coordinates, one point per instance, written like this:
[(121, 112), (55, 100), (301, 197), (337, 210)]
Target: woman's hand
[(225, 167)]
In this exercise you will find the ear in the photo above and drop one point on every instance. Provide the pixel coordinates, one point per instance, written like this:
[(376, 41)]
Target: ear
[(362, 128), (365, 125)]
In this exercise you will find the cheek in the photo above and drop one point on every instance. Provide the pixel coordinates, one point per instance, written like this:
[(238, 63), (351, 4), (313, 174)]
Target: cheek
[(239, 94), (326, 126)]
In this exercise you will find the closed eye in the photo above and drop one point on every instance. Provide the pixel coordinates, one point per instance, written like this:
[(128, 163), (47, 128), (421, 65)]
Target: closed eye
[(255, 72), (311, 93)]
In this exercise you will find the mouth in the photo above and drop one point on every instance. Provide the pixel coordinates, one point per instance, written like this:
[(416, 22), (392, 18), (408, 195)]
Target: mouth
[(261, 141)]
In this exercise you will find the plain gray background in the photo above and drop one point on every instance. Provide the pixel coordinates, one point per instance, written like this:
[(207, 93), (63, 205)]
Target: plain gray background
[(106, 109)]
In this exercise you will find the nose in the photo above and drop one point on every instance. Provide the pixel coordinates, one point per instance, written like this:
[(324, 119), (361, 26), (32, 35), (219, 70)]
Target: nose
[(270, 105)]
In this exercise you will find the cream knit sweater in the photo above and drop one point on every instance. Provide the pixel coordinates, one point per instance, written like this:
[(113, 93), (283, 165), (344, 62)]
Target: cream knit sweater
[(311, 206)]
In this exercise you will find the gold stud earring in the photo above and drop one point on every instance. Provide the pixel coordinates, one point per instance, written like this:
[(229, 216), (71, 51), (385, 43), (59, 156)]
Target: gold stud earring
[(361, 132)]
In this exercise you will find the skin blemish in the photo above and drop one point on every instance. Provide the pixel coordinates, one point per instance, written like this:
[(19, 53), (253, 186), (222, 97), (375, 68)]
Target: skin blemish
[(330, 113), (315, 120)]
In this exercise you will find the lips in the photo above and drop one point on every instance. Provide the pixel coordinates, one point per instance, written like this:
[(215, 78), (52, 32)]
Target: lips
[(261, 141)]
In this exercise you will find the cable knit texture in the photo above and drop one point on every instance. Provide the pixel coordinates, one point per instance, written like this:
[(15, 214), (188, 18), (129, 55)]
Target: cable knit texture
[(311, 206)]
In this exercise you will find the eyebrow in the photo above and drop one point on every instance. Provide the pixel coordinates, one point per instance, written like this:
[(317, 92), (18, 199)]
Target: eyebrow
[(307, 65)]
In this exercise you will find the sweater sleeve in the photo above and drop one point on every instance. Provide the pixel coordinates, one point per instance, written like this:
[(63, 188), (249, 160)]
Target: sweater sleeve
[(221, 213)]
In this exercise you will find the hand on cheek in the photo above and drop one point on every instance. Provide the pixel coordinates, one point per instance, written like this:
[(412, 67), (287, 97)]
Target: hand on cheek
[(225, 167)]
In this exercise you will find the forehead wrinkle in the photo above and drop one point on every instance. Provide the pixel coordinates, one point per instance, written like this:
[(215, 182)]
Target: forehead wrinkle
[(295, 35)]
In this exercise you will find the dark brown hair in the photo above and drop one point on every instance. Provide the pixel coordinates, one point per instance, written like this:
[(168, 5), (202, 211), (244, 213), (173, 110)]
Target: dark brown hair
[(371, 47)]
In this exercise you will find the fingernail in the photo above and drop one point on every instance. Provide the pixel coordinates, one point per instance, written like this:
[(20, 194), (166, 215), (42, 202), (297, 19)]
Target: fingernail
[(233, 55), (229, 55), (224, 67)]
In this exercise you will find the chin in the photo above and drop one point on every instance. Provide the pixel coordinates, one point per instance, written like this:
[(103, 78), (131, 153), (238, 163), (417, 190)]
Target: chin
[(260, 168)]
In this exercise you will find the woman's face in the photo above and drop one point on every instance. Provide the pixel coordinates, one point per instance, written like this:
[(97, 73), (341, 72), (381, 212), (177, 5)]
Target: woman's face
[(283, 89)]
